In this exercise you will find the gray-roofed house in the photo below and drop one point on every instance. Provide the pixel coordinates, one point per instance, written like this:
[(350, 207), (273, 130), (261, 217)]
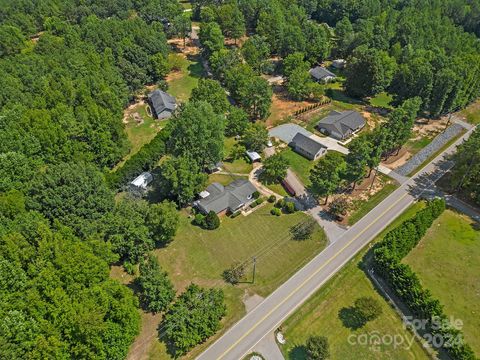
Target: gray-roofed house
[(321, 74), (161, 104), (341, 125), (222, 199), (307, 146)]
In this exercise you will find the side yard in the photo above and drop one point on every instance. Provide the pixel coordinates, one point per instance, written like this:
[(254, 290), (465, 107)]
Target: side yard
[(447, 261), (324, 315)]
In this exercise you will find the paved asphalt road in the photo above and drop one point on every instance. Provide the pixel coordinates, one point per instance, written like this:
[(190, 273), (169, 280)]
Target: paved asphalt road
[(269, 314)]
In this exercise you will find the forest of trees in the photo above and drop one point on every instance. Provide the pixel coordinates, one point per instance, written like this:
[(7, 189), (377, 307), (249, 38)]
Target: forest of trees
[(68, 69)]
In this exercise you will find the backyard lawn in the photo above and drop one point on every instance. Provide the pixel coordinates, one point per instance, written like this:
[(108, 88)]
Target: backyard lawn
[(299, 164), (181, 83), (200, 256), (320, 316), (382, 100), (239, 166), (447, 261)]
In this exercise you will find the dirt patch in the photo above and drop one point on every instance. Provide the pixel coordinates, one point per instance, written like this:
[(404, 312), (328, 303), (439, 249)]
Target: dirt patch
[(428, 128), (398, 160), (178, 46)]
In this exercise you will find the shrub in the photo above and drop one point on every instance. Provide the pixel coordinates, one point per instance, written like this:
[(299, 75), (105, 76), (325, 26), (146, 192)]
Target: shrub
[(289, 207), (234, 274), (212, 221), (272, 198), (276, 211), (259, 201), (129, 267), (280, 203), (235, 214), (317, 348), (256, 195), (199, 220), (368, 308)]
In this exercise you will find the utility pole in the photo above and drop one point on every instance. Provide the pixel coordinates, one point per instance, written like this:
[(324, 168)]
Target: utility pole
[(254, 268)]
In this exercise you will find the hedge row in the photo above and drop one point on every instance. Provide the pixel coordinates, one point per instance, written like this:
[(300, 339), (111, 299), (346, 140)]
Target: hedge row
[(144, 160), (311, 107), (402, 279)]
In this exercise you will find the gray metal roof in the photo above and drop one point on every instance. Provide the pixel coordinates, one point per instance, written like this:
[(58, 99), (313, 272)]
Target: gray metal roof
[(229, 197), (321, 73), (307, 144), (161, 101), (342, 122)]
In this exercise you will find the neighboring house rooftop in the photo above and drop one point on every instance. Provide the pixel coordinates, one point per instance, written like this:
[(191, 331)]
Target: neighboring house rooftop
[(320, 73), (219, 198), (162, 104), (307, 144), (343, 123), (142, 180)]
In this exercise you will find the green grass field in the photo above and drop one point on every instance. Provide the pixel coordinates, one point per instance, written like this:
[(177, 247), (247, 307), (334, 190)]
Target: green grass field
[(382, 100), (183, 82), (239, 166), (447, 261), (200, 256), (472, 113), (299, 164), (320, 316)]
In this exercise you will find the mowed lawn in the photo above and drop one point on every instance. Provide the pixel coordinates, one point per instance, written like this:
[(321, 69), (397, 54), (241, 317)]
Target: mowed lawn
[(320, 316), (181, 83), (447, 261), (300, 165), (200, 256)]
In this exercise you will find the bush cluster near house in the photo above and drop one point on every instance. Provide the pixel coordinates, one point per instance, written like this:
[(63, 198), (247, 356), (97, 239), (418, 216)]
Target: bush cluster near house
[(387, 256)]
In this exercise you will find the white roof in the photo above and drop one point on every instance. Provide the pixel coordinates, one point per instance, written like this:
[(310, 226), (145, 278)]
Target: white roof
[(142, 180), (253, 155), (203, 194)]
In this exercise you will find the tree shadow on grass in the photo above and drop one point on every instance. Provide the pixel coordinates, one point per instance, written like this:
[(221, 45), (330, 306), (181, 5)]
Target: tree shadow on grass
[(298, 353), (350, 318)]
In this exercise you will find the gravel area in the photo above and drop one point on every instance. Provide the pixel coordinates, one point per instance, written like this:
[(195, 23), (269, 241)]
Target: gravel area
[(437, 143)]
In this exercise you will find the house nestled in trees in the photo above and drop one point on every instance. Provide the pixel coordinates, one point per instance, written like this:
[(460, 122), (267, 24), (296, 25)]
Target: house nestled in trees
[(222, 199), (341, 125), (321, 74), (307, 147), (161, 104)]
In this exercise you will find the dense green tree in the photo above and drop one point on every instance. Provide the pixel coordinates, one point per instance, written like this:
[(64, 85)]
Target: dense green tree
[(236, 121), (197, 133), (16, 171), (182, 26), (181, 179), (327, 174), (193, 318), (74, 194), (255, 137), (368, 72), (162, 221), (275, 168), (223, 60), (295, 62), (211, 91), (211, 221), (317, 348), (156, 290), (367, 308), (11, 40), (231, 20), (211, 38), (357, 160), (318, 44), (303, 230), (256, 51)]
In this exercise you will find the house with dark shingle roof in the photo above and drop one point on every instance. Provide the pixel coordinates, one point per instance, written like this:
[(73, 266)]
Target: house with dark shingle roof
[(341, 125), (222, 199), (321, 74), (307, 146), (161, 104)]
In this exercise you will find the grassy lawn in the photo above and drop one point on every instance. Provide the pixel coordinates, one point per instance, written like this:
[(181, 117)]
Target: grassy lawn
[(201, 256), (362, 207), (320, 316), (222, 178), (299, 164), (447, 260), (277, 188), (472, 113), (382, 100), (414, 146), (181, 83), (239, 166)]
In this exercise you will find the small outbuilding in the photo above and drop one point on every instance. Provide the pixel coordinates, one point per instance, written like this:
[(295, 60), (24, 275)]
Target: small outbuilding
[(339, 63), (341, 125), (321, 74), (162, 104), (140, 184), (253, 156), (308, 147)]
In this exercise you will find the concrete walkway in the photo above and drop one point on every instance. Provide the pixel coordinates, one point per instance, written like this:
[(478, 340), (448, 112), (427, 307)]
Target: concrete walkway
[(268, 348)]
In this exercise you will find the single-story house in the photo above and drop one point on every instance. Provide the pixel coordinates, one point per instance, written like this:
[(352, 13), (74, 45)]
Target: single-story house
[(341, 125), (253, 156), (339, 63), (222, 199), (307, 146), (161, 104), (321, 74), (140, 183)]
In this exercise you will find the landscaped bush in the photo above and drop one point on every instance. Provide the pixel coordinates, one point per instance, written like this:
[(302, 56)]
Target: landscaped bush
[(259, 201), (404, 281), (280, 203), (199, 220), (235, 214), (272, 198), (289, 207), (256, 195), (212, 221), (276, 211)]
